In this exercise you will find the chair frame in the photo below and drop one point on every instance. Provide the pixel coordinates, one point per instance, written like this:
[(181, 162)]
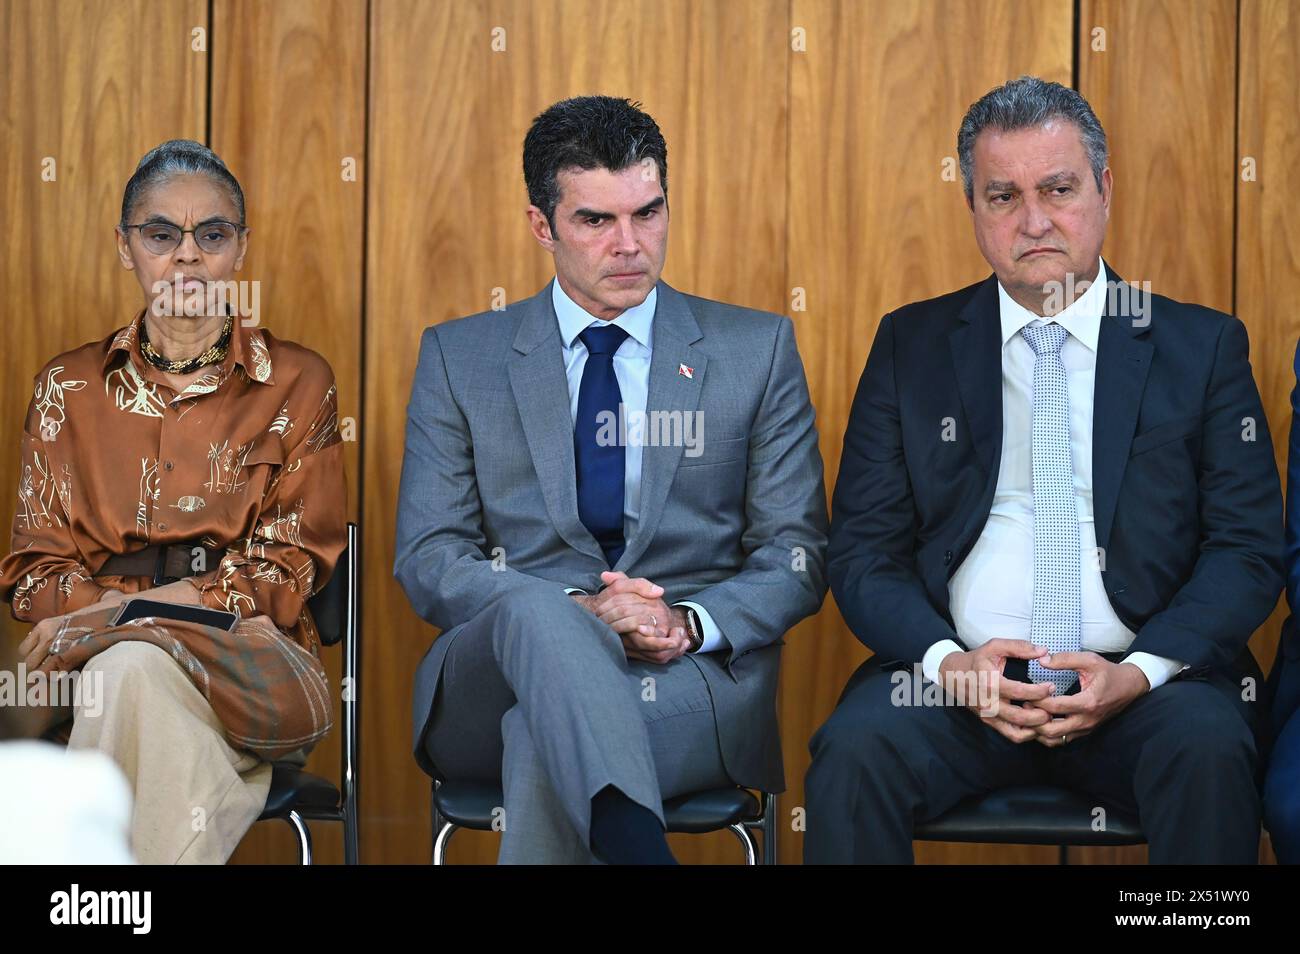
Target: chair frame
[(347, 811), (764, 821)]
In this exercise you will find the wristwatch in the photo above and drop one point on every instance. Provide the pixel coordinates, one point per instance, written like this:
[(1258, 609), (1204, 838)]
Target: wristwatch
[(694, 630)]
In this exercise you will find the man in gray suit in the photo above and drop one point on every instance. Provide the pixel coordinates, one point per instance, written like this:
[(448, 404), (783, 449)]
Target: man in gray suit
[(612, 505)]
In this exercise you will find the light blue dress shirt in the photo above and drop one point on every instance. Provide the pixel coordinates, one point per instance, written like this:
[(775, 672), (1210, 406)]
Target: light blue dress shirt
[(632, 369)]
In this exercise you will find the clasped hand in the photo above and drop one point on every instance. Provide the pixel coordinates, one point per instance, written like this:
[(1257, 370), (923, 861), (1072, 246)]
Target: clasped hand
[(651, 630), (35, 646), (1105, 689)]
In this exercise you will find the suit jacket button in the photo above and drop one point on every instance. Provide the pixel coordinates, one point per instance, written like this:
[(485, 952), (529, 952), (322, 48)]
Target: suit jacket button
[(947, 557)]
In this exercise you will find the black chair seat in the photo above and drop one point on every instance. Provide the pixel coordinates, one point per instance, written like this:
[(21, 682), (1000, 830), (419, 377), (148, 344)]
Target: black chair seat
[(470, 805), (701, 812), (292, 788), (1030, 815)]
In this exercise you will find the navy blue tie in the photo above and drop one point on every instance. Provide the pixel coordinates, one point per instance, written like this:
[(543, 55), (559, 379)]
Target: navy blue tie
[(600, 464)]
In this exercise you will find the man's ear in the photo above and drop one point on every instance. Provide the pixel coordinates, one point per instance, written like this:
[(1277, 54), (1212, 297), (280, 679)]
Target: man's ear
[(1107, 189), (540, 227), (124, 249)]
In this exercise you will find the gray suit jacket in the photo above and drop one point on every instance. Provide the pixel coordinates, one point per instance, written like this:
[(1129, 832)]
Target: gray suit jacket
[(740, 528)]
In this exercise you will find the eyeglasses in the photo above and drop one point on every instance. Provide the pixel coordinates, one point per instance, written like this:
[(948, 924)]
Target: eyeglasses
[(160, 238)]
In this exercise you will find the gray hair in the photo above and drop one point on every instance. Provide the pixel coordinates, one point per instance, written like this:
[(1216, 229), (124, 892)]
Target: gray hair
[(174, 158), (1027, 103)]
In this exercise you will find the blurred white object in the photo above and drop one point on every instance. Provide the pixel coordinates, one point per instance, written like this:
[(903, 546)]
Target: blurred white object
[(62, 807)]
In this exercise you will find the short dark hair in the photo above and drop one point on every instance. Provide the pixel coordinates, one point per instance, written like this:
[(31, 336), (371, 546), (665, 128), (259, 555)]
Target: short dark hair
[(1027, 103), (174, 158), (588, 132)]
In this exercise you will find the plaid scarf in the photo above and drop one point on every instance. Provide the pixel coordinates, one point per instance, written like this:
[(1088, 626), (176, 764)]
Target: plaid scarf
[(271, 695)]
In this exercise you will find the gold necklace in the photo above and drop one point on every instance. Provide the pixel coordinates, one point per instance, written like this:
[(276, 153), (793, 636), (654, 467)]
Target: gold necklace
[(213, 355)]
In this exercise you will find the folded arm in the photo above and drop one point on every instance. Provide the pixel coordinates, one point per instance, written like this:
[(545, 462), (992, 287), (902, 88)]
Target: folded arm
[(872, 564), (302, 528), (1239, 572), (45, 573), (441, 561), (783, 577)]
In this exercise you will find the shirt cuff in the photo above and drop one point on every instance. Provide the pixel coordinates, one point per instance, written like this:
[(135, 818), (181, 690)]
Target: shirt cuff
[(935, 655), (713, 638), (1158, 669)]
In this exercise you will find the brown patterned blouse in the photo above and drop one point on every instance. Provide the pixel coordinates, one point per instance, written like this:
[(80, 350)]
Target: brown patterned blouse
[(247, 458)]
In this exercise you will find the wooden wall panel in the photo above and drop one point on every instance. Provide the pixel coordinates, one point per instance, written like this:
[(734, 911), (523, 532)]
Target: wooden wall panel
[(875, 105), (1164, 90), (1268, 236), (288, 117), (447, 200)]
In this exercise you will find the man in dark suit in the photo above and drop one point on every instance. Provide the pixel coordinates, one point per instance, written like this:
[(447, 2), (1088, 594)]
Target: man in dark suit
[(612, 505), (1058, 501), (1282, 783)]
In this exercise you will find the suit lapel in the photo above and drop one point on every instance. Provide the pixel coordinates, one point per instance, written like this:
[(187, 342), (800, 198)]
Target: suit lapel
[(976, 346), (542, 396), (675, 331), (1123, 361)]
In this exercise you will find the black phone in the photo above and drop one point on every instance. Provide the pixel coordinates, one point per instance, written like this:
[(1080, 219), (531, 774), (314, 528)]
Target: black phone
[(1018, 669), (141, 608)]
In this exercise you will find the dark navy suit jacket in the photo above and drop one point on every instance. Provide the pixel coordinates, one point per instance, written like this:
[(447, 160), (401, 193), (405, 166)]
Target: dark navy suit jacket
[(1284, 679), (1187, 500)]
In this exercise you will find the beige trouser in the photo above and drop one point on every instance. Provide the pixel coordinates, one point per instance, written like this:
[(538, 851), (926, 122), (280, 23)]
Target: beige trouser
[(195, 796)]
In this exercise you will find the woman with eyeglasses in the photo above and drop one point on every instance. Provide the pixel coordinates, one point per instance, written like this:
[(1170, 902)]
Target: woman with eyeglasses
[(191, 458)]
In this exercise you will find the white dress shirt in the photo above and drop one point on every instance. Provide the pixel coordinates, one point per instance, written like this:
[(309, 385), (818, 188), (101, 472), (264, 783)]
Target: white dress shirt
[(992, 593), (632, 369)]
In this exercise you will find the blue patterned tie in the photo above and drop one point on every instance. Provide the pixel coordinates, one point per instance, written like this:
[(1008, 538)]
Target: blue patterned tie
[(1057, 613), (600, 467)]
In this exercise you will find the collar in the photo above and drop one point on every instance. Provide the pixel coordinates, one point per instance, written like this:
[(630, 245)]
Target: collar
[(637, 321), (1082, 319), (247, 349)]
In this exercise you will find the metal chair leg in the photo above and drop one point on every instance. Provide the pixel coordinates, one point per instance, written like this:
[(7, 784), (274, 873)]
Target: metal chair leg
[(769, 829), (351, 840), (746, 839), (440, 842), (304, 836), (766, 823)]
